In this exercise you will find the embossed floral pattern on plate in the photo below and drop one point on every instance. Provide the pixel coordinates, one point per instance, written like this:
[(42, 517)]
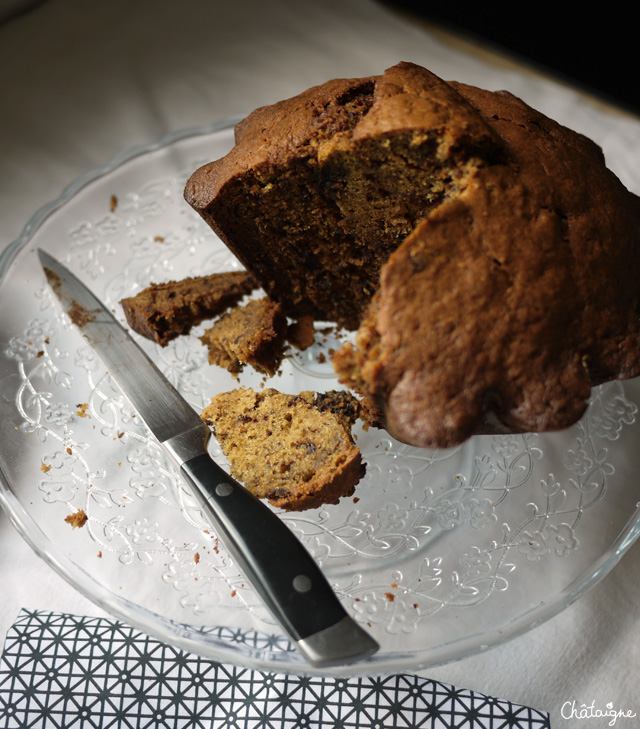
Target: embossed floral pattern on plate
[(439, 553)]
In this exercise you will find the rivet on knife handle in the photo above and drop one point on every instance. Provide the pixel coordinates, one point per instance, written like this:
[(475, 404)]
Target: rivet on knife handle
[(280, 569)]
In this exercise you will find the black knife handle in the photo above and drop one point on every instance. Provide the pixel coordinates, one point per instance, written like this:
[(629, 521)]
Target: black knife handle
[(273, 559)]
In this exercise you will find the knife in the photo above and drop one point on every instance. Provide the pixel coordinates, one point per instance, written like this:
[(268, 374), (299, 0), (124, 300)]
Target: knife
[(278, 566)]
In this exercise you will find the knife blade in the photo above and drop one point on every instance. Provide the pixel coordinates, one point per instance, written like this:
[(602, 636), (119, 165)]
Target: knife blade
[(275, 562)]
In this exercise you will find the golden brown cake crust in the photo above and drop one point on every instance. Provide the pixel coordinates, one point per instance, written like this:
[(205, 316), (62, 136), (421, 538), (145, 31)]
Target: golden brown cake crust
[(506, 305), (407, 97)]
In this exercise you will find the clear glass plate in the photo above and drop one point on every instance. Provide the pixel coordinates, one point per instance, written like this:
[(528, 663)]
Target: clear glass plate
[(440, 554)]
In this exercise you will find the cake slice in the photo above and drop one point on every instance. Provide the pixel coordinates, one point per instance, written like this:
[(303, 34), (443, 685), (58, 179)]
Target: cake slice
[(284, 448), (164, 311), (253, 334)]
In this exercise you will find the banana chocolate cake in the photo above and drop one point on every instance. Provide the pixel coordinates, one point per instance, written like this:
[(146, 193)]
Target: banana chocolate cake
[(297, 451), (253, 334), (164, 311), (487, 256)]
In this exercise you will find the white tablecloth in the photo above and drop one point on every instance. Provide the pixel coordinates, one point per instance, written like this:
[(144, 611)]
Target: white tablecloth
[(81, 82)]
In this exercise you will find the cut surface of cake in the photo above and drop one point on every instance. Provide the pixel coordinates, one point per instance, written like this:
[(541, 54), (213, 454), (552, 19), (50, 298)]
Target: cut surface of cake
[(319, 189), (286, 449), (164, 311), (253, 334), (488, 258)]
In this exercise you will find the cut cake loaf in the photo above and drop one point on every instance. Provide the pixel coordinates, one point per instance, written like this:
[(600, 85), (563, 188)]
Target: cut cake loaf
[(489, 258)]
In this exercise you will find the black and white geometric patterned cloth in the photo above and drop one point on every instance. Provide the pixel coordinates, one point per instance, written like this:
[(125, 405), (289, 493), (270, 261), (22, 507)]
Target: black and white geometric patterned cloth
[(61, 670)]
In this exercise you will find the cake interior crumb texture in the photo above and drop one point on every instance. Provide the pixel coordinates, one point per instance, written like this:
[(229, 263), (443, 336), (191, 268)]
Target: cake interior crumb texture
[(163, 311), (285, 448), (253, 334)]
